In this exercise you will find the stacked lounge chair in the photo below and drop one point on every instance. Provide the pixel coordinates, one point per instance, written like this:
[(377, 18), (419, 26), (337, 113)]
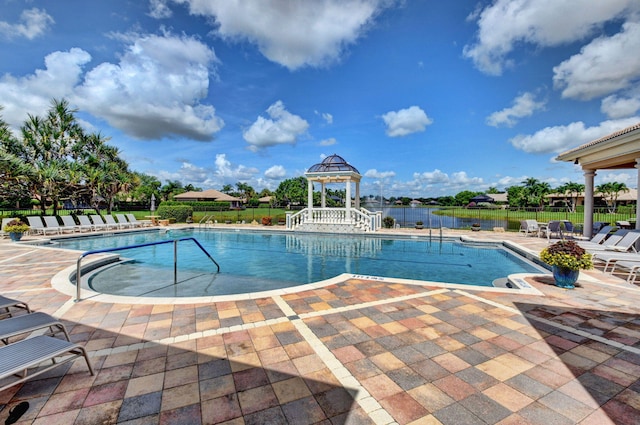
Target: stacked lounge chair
[(29, 357)]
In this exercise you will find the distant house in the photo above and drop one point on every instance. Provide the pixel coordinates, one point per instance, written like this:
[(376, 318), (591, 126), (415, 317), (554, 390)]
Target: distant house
[(624, 198), (209, 195)]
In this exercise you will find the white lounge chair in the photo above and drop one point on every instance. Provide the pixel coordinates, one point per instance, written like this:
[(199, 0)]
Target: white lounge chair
[(626, 244), (111, 222), (122, 221), (610, 258), (68, 221), (52, 223), (632, 268), (98, 222), (610, 241), (84, 221), (529, 227), (136, 222), (36, 226), (18, 358)]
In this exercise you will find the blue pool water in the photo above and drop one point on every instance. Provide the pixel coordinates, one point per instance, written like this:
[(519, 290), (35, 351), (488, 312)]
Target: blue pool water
[(258, 261)]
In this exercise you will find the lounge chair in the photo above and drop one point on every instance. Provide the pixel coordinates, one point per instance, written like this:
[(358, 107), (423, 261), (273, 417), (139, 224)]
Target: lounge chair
[(52, 223), (529, 227), (610, 258), (98, 222), (18, 358), (610, 241), (7, 303), (632, 268), (19, 325), (36, 226), (601, 234), (111, 222), (626, 244), (136, 222), (122, 221), (68, 221), (84, 221)]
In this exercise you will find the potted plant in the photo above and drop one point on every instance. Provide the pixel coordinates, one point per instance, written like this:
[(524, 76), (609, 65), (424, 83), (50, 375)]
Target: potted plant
[(566, 259), (266, 221), (475, 227), (388, 222), (15, 229), (419, 224)]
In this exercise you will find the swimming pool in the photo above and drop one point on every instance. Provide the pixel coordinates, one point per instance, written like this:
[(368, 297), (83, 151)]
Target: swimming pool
[(252, 261)]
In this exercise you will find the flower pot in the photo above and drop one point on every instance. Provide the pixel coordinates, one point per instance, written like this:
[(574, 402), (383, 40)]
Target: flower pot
[(15, 236), (475, 228), (565, 278)]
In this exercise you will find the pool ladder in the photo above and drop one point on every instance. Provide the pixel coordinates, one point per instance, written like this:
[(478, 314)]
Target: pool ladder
[(120, 248), (206, 221)]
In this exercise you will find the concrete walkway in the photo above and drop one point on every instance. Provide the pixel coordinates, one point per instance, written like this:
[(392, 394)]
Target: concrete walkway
[(354, 352)]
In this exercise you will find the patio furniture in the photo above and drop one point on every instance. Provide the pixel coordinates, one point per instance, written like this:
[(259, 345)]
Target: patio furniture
[(68, 221), (111, 222), (136, 222), (7, 303), (19, 325), (84, 221), (632, 268), (122, 221), (52, 223), (627, 243), (610, 241), (529, 227), (37, 227), (18, 358)]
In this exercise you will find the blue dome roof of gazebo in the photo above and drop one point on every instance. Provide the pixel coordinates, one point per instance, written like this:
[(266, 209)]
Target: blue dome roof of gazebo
[(332, 163)]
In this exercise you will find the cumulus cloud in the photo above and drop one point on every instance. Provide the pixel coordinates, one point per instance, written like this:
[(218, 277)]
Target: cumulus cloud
[(560, 138), (294, 34), (523, 106), (226, 172), (277, 172), (620, 107), (33, 93), (375, 174), (282, 127), (602, 67), (442, 181), (154, 90), (33, 23), (406, 121), (506, 23)]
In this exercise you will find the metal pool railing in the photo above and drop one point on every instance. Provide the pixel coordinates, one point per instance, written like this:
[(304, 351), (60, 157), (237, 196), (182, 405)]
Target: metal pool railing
[(121, 248)]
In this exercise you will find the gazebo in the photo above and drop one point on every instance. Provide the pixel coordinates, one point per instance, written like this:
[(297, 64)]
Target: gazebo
[(619, 150), (334, 169)]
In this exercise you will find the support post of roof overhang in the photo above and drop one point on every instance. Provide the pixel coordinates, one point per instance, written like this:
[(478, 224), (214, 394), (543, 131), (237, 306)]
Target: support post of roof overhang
[(589, 176), (310, 199), (638, 195)]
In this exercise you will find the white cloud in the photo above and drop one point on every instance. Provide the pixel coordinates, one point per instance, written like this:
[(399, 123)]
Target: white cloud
[(406, 121), (328, 118), (127, 94), (506, 23), (620, 107), (523, 106), (277, 172), (33, 23), (158, 9), (328, 142), (32, 94), (431, 177), (294, 34), (561, 138), (375, 174), (228, 174), (604, 66), (282, 128)]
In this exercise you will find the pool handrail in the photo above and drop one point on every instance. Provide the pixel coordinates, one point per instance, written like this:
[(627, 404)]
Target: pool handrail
[(142, 245)]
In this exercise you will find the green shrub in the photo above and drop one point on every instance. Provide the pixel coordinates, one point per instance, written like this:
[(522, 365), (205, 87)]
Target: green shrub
[(179, 213), (388, 222)]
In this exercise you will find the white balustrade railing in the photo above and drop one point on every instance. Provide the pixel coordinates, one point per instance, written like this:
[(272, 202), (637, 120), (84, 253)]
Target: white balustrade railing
[(362, 219)]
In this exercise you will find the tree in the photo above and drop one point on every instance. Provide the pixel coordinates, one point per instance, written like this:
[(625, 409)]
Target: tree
[(535, 192), (171, 189), (610, 192), (516, 196), (464, 197), (227, 188), (292, 191), (571, 191)]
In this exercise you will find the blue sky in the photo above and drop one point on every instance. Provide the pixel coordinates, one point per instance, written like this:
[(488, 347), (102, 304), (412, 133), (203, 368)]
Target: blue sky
[(424, 98)]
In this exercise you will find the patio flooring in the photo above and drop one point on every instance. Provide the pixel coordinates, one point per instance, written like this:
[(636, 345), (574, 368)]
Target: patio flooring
[(355, 352)]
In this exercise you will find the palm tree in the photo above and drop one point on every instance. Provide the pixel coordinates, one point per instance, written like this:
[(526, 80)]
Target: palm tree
[(610, 192), (571, 191)]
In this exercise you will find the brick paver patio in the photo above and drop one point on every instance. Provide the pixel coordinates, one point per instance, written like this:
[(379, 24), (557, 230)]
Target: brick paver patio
[(355, 352)]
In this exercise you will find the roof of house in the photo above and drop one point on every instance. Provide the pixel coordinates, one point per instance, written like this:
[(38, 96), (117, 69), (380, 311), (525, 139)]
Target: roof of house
[(209, 194)]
